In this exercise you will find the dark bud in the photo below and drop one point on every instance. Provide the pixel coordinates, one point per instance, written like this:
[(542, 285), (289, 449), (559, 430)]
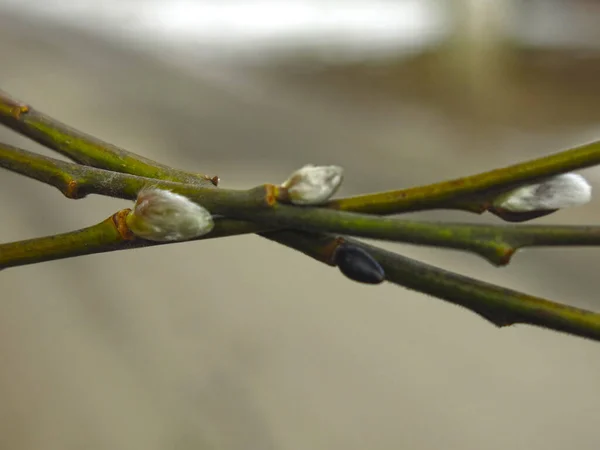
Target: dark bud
[(524, 216), (358, 265)]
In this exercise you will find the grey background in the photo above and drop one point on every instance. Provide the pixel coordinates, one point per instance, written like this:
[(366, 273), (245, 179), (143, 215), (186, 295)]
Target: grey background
[(242, 344)]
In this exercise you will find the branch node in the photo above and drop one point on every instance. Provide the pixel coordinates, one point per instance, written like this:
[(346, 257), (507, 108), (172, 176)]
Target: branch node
[(19, 109), (15, 108), (72, 190), (330, 250), (505, 255), (496, 318), (119, 219), (272, 193)]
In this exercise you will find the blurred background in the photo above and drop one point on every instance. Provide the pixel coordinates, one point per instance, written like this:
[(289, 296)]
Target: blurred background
[(240, 343)]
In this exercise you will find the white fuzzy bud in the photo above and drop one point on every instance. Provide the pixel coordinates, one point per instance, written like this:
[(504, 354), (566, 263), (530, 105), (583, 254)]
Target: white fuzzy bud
[(560, 191), (313, 185), (160, 215)]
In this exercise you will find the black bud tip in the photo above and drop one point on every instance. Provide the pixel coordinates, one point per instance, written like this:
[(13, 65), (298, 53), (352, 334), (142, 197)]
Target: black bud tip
[(358, 265), (516, 217)]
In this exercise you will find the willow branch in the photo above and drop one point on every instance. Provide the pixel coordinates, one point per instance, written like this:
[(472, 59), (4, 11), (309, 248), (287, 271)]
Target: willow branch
[(496, 243), (498, 305), (86, 149), (109, 235), (472, 193), (77, 181)]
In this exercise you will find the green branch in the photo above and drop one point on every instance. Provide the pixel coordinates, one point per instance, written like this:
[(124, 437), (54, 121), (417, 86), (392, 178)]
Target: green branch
[(501, 306), (77, 181), (496, 243), (472, 193), (109, 235), (126, 173), (86, 149)]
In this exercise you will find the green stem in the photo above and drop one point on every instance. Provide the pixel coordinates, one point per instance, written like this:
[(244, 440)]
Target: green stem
[(472, 193), (107, 236), (496, 243), (86, 149), (318, 246), (501, 306), (103, 237), (497, 304), (464, 237), (77, 181)]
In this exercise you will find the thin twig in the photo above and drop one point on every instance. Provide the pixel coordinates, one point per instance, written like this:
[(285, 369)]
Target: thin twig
[(86, 149), (500, 306), (495, 243), (472, 193), (109, 235), (77, 181)]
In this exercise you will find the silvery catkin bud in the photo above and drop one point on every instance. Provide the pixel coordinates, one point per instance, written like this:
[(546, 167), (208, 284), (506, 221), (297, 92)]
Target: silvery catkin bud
[(162, 216), (313, 185), (558, 192)]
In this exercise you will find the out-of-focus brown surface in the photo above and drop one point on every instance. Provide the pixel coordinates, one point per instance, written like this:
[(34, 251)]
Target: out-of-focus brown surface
[(242, 344)]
